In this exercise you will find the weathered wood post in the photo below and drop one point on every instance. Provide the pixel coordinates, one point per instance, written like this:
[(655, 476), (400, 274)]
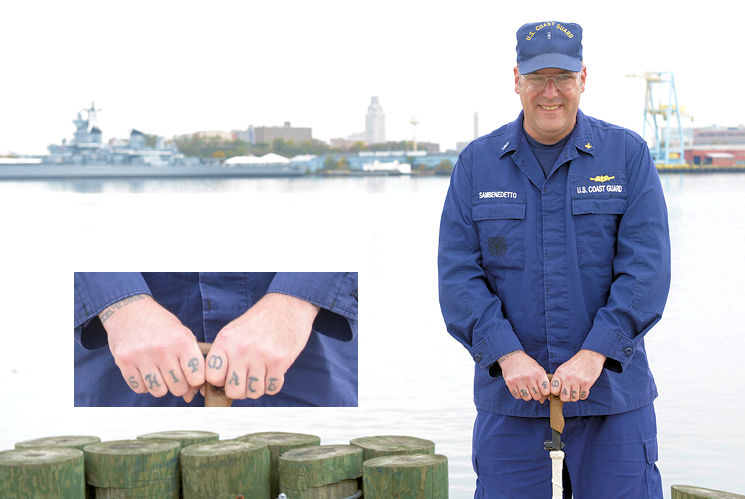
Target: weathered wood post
[(133, 468), (47, 472), (390, 445), (184, 437), (226, 468), (691, 492), (320, 472), (279, 443), (416, 476), (71, 441)]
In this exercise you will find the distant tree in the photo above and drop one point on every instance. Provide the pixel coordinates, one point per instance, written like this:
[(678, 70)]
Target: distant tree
[(260, 149), (330, 163), (444, 167), (150, 140), (343, 164)]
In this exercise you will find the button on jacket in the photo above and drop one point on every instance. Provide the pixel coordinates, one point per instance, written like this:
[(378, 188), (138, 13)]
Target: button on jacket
[(324, 374), (578, 260)]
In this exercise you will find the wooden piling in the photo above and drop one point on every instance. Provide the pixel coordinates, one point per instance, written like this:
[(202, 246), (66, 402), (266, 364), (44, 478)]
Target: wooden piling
[(416, 476), (305, 469), (183, 437), (345, 488), (46, 472), (279, 443), (691, 492), (133, 468), (391, 445), (225, 469), (71, 441)]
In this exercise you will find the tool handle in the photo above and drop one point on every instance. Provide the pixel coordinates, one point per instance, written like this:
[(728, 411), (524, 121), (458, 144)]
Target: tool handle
[(555, 410), (214, 396)]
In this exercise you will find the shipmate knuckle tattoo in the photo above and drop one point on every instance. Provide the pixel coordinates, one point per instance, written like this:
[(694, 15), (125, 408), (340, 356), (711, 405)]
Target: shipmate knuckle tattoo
[(215, 362), (194, 364), (152, 380)]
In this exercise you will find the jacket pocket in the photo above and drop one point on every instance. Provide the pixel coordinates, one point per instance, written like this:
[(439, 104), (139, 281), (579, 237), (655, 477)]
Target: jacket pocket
[(501, 228), (596, 227)]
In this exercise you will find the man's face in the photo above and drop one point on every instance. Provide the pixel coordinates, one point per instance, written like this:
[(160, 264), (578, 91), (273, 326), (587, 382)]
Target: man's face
[(550, 113)]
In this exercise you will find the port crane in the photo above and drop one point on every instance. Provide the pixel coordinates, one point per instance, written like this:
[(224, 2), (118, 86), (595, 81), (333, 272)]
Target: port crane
[(662, 113)]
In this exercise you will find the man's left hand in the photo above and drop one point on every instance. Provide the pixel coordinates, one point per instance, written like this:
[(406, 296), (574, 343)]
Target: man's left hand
[(574, 378), (251, 354)]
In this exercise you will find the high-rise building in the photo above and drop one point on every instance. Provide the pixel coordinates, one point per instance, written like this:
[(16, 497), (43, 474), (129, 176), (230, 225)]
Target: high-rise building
[(375, 123)]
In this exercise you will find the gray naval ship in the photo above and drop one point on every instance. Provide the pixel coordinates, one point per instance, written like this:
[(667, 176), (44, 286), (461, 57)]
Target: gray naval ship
[(87, 157)]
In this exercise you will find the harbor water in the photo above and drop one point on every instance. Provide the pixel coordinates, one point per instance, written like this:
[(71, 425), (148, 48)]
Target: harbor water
[(414, 379)]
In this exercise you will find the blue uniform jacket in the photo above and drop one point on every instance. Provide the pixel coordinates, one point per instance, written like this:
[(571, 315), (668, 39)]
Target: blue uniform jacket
[(324, 374), (580, 260)]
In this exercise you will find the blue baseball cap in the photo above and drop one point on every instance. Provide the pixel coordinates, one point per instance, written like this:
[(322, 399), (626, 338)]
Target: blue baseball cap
[(549, 45)]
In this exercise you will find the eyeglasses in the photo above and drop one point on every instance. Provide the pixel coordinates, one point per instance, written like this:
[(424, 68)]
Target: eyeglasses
[(563, 81)]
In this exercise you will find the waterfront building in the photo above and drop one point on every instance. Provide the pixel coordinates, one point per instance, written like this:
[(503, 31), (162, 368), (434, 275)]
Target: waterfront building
[(374, 123), (717, 146), (288, 133), (719, 135), (217, 134), (429, 147), (716, 155)]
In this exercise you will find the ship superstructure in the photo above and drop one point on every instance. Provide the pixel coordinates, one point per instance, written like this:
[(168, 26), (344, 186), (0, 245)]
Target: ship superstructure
[(87, 148)]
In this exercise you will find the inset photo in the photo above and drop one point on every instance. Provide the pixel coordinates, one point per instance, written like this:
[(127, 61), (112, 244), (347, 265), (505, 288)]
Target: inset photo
[(216, 339)]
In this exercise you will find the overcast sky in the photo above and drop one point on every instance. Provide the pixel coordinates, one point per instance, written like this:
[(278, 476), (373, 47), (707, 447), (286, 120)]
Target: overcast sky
[(177, 67)]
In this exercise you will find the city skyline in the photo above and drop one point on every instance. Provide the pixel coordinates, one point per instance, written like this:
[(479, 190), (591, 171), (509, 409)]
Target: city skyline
[(150, 71)]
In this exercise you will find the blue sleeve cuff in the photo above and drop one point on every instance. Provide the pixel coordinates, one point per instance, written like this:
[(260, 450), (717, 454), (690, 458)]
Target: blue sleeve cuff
[(618, 348), (334, 292), (94, 291), (492, 347)]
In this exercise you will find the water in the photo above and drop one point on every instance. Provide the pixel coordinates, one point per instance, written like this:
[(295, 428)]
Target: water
[(414, 378)]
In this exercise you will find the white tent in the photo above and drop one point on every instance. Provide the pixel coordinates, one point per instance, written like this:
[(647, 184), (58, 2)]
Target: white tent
[(267, 159)]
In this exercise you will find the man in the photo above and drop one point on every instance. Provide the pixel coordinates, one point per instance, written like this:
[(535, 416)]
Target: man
[(278, 339), (554, 257)]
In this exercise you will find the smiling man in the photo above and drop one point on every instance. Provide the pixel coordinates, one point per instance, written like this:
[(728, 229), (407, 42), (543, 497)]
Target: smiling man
[(554, 257)]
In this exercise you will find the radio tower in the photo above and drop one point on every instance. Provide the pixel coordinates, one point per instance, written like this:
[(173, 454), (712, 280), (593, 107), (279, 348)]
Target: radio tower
[(414, 122)]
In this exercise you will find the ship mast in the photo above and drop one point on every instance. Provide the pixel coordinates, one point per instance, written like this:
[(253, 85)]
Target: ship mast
[(92, 114)]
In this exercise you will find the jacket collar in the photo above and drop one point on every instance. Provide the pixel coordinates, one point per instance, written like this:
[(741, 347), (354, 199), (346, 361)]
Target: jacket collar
[(580, 142), (581, 136)]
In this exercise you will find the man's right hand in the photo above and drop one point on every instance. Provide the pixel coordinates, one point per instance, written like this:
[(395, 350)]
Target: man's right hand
[(153, 350), (524, 377)]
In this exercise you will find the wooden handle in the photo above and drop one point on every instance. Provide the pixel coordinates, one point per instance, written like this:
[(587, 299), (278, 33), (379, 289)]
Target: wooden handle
[(214, 396), (555, 409)]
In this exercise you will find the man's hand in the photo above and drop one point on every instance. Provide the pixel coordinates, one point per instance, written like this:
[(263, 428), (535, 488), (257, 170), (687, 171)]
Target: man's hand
[(251, 354), (524, 377), (153, 350), (574, 378)]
